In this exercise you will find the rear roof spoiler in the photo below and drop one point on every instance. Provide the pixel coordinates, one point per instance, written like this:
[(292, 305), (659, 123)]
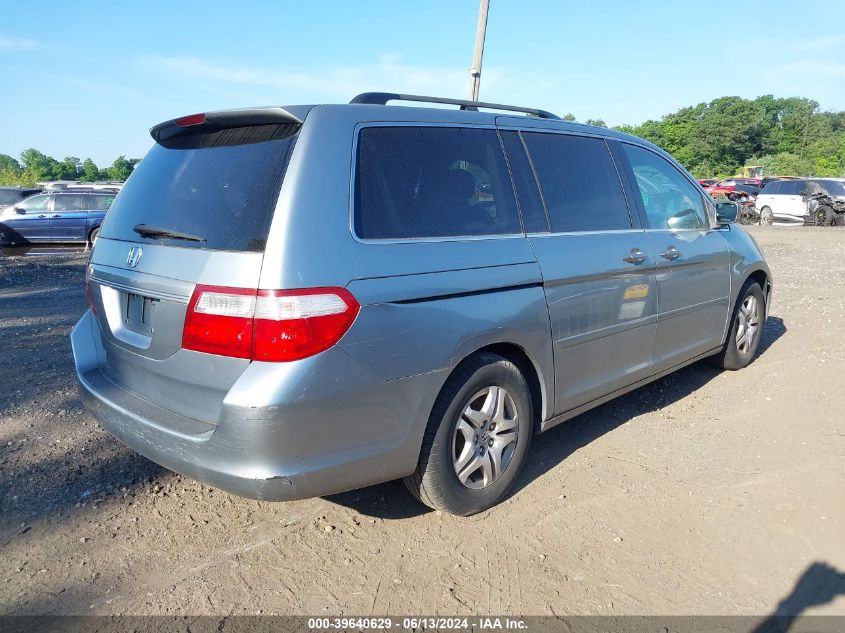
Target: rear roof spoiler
[(221, 120)]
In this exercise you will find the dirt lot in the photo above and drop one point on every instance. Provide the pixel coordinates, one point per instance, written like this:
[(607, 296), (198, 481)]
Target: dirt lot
[(703, 493)]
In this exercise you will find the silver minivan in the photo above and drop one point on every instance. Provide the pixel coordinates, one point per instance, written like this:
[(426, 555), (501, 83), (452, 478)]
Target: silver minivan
[(292, 302)]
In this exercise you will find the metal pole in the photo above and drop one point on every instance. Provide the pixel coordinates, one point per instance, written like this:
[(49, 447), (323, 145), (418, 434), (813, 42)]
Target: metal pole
[(480, 32)]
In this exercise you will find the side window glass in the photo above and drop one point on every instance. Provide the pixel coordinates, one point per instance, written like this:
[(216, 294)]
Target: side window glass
[(527, 192), (102, 203), (69, 202), (579, 183), (418, 182), (35, 203), (812, 187), (670, 200)]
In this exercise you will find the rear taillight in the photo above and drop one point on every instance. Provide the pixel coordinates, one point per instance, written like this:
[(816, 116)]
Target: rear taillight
[(220, 321), (89, 292), (267, 325)]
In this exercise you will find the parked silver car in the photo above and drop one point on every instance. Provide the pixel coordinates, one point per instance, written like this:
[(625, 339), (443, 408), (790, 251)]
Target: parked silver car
[(290, 302)]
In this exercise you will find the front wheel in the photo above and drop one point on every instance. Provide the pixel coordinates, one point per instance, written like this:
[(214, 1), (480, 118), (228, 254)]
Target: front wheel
[(477, 437), (746, 329), (766, 216), (826, 216), (92, 236)]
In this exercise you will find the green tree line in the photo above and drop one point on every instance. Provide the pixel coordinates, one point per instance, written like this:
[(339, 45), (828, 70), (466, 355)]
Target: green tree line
[(35, 166), (787, 137)]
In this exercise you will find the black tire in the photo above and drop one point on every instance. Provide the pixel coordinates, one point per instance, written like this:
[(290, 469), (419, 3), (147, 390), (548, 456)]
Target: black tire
[(92, 236), (766, 216), (435, 482), (733, 356), (826, 216)]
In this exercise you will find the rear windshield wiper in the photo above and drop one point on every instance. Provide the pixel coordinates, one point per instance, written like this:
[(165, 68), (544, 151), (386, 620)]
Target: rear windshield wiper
[(153, 231)]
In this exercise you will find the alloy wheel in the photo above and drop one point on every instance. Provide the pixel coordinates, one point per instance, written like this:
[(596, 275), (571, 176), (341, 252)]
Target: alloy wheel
[(748, 324), (485, 437)]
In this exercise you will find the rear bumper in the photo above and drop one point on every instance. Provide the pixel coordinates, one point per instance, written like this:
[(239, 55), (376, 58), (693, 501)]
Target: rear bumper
[(286, 430)]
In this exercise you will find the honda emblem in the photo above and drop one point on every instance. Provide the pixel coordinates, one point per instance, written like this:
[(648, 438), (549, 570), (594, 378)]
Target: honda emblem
[(134, 256)]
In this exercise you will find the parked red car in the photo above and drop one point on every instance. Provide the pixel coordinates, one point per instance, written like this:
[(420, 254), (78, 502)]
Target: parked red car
[(729, 185)]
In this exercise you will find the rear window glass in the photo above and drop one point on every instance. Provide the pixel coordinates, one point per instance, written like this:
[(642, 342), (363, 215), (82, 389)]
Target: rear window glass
[(579, 181), (102, 203), (224, 194), (418, 182)]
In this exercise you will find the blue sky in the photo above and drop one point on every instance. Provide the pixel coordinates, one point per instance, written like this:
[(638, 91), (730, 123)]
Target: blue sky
[(89, 78)]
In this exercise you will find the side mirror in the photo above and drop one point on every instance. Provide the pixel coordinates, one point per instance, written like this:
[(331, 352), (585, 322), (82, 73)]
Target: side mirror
[(20, 210), (726, 212)]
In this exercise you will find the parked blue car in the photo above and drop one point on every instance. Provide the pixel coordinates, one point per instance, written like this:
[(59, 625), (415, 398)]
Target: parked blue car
[(55, 217)]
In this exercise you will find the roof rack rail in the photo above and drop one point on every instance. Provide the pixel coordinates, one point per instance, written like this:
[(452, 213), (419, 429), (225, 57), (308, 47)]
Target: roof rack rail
[(381, 98)]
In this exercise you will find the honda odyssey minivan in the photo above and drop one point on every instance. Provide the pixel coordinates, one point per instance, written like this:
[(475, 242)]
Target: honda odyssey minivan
[(288, 302)]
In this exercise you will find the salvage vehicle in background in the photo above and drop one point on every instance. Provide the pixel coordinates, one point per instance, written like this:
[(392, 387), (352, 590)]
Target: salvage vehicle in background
[(730, 184), (55, 217), (10, 196), (800, 201)]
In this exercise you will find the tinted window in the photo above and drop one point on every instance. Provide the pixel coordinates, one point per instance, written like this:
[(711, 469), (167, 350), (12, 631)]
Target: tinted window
[(101, 203), (224, 194), (669, 199), (747, 189), (527, 193), (579, 183), (772, 188), (35, 203), (421, 182), (833, 187), (8, 197), (792, 187), (69, 202)]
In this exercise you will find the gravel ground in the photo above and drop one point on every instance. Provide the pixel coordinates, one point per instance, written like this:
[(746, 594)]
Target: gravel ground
[(702, 493)]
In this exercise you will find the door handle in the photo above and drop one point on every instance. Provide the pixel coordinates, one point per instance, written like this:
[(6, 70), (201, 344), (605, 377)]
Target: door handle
[(636, 256), (57, 216), (43, 215), (671, 253)]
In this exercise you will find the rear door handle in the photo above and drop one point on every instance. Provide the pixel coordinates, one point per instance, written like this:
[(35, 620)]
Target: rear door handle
[(43, 215), (636, 256), (671, 253), (57, 216)]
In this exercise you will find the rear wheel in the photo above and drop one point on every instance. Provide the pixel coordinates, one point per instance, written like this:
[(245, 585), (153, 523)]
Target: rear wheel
[(746, 329), (766, 216), (477, 437), (92, 236)]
